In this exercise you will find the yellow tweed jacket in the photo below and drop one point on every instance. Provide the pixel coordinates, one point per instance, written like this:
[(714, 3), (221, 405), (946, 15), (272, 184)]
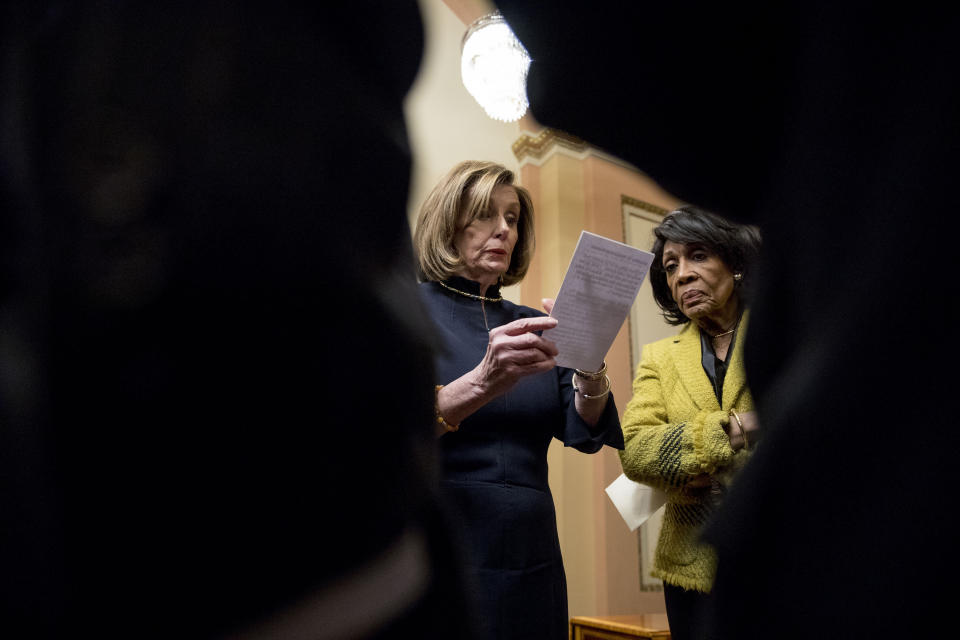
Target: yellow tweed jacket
[(674, 431)]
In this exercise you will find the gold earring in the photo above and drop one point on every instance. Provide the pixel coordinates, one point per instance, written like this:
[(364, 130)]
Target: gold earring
[(738, 277)]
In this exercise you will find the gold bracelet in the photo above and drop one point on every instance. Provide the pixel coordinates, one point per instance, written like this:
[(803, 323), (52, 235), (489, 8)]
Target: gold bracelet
[(593, 375), (436, 410), (743, 432), (589, 397)]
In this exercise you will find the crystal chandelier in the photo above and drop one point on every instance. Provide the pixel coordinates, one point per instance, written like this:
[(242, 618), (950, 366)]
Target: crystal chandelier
[(493, 65)]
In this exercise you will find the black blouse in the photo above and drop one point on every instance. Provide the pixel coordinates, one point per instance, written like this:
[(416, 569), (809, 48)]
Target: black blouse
[(714, 367)]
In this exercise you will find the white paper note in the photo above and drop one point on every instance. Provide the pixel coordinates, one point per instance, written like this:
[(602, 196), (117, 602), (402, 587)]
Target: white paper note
[(636, 502), (598, 289)]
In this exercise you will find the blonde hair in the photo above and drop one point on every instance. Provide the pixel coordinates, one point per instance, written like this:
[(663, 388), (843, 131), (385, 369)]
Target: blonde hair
[(458, 199)]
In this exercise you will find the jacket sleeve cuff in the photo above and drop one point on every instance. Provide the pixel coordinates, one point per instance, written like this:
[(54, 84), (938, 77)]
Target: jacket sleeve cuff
[(579, 435), (711, 445)]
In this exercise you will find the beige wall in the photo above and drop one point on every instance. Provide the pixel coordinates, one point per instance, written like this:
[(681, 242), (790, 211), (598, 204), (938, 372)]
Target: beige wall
[(445, 123), (573, 189)]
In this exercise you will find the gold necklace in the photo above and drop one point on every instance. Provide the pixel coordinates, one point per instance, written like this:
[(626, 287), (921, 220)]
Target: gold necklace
[(470, 295), (725, 333)]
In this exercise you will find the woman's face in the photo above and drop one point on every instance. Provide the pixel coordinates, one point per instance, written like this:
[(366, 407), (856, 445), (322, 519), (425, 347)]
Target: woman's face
[(486, 244), (700, 283)]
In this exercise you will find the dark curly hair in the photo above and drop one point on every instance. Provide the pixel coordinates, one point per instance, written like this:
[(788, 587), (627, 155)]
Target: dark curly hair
[(736, 244)]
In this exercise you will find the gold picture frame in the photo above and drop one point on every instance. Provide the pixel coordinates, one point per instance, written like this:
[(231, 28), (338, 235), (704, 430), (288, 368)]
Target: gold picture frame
[(646, 325)]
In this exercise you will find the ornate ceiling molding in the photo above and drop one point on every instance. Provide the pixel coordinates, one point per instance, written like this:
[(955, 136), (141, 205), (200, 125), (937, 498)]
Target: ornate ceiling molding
[(537, 148), (540, 145)]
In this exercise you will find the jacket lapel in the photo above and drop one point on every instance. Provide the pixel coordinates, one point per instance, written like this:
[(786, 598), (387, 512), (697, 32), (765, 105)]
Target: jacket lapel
[(735, 383), (687, 358)]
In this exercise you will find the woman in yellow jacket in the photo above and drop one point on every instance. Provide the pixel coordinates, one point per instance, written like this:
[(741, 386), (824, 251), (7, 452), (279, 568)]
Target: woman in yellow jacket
[(690, 424)]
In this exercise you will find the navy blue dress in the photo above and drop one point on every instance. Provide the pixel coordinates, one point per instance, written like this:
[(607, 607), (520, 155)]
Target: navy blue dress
[(495, 471)]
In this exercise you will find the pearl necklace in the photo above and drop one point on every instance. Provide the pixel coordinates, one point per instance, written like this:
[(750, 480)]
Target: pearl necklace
[(470, 295)]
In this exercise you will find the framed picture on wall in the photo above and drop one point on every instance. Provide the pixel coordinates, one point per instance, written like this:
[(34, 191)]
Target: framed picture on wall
[(646, 325)]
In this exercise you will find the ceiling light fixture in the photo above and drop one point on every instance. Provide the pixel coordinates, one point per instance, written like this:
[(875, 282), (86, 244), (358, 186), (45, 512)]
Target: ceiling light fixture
[(493, 66)]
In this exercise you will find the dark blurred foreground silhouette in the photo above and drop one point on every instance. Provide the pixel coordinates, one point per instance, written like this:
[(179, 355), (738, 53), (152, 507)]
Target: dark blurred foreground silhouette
[(216, 390), (833, 126)]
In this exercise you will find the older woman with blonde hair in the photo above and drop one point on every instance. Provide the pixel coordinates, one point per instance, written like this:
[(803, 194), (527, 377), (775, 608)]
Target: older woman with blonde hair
[(501, 399)]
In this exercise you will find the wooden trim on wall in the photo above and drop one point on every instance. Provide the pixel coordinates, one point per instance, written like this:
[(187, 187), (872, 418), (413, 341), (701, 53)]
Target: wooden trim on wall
[(646, 206)]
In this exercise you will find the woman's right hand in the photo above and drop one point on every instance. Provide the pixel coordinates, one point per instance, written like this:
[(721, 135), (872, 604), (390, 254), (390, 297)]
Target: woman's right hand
[(751, 426), (747, 430), (514, 351)]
